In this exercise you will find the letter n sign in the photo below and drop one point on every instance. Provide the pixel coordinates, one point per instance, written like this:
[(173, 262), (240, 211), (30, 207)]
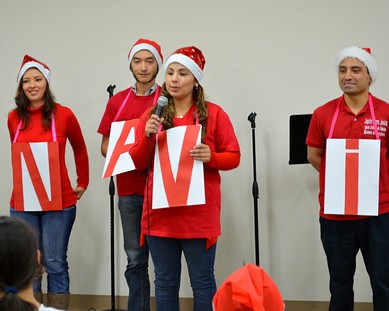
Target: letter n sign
[(36, 176)]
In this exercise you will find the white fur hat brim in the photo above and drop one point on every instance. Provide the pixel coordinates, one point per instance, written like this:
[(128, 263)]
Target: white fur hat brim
[(187, 62), (46, 73), (365, 57)]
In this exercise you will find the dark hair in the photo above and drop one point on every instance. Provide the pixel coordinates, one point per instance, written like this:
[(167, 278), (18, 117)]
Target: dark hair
[(23, 105), (169, 111), (18, 262)]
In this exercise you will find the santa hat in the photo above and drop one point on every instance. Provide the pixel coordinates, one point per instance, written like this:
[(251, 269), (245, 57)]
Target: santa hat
[(248, 288), (191, 57), (362, 54), (30, 62), (144, 44)]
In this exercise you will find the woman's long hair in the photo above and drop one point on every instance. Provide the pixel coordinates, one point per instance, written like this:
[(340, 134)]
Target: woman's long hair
[(23, 105), (169, 111), (18, 262)]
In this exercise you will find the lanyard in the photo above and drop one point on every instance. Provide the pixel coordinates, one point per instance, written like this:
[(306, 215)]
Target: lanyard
[(371, 112), (53, 129), (156, 94), (196, 120)]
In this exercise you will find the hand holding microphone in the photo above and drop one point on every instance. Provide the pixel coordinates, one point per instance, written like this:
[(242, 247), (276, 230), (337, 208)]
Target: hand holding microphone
[(153, 123)]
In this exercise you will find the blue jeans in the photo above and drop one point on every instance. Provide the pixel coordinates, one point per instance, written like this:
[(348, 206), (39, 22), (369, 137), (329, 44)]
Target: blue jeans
[(341, 241), (52, 232), (166, 255), (137, 275)]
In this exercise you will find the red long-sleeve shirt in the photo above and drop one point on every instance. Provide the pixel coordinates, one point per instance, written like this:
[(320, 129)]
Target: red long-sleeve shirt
[(197, 221), (67, 127), (132, 182)]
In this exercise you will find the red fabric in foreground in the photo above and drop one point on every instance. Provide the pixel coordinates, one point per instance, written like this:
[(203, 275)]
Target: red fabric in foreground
[(248, 289)]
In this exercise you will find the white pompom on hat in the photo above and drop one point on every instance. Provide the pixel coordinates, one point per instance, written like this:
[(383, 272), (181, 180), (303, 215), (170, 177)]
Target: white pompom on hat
[(30, 62), (191, 57), (149, 45), (362, 54)]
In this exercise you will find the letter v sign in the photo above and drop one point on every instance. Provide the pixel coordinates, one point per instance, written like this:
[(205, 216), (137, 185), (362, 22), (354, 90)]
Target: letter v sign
[(183, 178)]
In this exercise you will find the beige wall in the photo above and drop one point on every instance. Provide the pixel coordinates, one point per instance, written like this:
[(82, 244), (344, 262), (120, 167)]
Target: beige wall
[(272, 57)]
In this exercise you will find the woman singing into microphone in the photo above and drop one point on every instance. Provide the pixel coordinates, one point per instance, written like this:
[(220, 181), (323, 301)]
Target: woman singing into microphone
[(189, 229)]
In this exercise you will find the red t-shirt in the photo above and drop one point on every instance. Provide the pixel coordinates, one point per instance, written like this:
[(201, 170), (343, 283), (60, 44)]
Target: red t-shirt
[(67, 127), (197, 221), (349, 125), (132, 182)]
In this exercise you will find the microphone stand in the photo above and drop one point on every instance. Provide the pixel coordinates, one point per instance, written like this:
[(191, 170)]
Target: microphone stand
[(112, 229), (255, 189)]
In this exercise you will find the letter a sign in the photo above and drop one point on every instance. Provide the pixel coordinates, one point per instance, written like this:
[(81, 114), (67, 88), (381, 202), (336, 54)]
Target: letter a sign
[(36, 176), (122, 137), (178, 179), (352, 177)]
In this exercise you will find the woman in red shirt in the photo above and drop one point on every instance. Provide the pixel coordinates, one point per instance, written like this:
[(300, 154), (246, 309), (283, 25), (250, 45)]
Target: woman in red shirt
[(42, 193), (191, 229)]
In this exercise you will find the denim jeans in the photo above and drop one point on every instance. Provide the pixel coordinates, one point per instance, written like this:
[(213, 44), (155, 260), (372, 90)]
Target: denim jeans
[(52, 232), (137, 275), (341, 241), (166, 255)]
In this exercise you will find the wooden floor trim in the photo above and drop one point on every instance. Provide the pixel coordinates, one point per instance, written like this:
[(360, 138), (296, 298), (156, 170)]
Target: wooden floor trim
[(98, 303)]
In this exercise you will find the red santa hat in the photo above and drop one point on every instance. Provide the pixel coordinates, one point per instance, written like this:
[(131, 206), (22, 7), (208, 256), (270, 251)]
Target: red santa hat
[(191, 57), (144, 44), (248, 288), (30, 62), (362, 54)]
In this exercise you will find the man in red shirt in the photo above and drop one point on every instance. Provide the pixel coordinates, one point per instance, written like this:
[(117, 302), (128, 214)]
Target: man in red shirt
[(145, 60), (356, 115)]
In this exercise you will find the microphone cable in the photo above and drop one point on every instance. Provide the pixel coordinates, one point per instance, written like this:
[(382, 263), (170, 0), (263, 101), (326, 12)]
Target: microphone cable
[(147, 184)]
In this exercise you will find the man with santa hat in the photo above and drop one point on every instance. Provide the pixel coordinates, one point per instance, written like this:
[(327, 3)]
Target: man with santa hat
[(348, 144), (145, 59)]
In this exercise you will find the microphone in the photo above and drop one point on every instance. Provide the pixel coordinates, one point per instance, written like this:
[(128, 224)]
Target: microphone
[(161, 103)]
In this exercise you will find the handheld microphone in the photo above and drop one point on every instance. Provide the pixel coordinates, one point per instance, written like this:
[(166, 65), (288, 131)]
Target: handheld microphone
[(161, 103)]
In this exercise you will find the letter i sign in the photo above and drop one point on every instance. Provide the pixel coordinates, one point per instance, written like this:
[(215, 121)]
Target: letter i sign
[(352, 177)]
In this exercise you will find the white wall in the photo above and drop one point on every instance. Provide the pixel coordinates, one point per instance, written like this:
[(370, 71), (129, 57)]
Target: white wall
[(272, 57)]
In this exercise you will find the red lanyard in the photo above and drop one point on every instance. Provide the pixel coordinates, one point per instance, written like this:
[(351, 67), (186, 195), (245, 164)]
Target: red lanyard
[(156, 94), (371, 112), (53, 129)]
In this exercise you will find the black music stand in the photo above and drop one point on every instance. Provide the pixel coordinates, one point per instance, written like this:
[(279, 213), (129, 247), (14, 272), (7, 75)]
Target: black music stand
[(298, 129)]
